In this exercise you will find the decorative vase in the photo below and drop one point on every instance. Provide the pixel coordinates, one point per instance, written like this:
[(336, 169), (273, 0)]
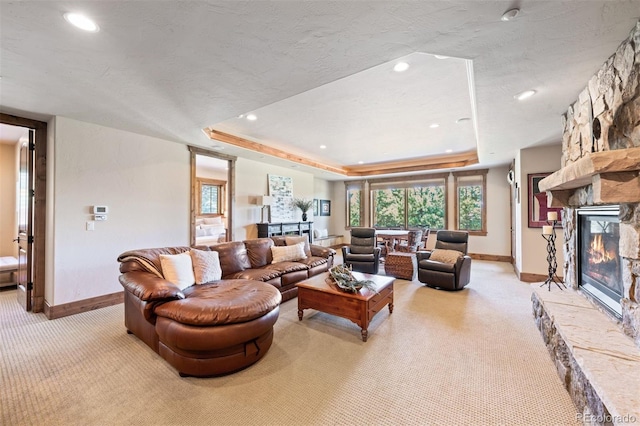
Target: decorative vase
[(304, 217)]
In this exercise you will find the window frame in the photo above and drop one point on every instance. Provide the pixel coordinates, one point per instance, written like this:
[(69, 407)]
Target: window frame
[(350, 186), (467, 173), (200, 183), (409, 182)]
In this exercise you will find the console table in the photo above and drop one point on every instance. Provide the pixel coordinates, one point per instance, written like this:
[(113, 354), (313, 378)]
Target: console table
[(266, 230)]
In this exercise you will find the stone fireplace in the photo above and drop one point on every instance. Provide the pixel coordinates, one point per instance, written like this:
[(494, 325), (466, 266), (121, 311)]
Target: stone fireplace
[(592, 330)]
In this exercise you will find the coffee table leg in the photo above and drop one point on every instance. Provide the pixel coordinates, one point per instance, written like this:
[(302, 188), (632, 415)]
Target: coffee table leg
[(390, 308), (299, 314), (365, 334)]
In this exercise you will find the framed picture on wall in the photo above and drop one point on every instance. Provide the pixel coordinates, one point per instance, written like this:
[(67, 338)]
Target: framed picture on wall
[(315, 207), (538, 209), (325, 208)]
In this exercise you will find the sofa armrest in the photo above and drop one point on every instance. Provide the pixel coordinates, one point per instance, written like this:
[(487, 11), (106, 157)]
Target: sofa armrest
[(321, 251), (149, 287)]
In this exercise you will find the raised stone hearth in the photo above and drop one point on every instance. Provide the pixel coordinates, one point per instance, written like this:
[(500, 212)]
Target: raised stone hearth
[(597, 363)]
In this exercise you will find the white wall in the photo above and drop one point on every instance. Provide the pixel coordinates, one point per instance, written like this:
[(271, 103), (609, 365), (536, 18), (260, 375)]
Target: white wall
[(8, 208), (251, 181), (531, 248), (144, 181)]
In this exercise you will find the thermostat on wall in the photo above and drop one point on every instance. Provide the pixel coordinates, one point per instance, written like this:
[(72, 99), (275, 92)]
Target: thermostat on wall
[(100, 209)]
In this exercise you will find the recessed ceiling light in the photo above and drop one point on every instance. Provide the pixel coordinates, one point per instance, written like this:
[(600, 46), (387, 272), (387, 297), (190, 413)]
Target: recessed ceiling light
[(524, 95), (510, 15), (80, 21), (241, 116), (360, 162), (401, 66), (323, 147), (434, 126), (441, 57), (462, 120), (252, 117), (449, 151)]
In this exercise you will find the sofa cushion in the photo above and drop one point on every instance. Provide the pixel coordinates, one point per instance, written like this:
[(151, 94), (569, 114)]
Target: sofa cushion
[(206, 266), (260, 274), (288, 253), (146, 259), (259, 251), (304, 239), (233, 257), (178, 269), (286, 267), (229, 302), (313, 261), (429, 265)]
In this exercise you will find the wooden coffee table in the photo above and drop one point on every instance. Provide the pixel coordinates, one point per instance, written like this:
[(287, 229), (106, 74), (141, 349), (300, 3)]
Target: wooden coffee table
[(321, 293)]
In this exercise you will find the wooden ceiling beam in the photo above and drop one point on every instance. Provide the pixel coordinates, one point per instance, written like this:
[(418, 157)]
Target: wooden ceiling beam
[(412, 165)]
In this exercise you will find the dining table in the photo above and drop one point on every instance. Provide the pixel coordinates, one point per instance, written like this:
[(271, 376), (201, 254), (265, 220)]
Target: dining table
[(391, 236)]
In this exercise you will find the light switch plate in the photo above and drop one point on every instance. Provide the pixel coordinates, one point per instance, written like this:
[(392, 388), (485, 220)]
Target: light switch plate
[(91, 225)]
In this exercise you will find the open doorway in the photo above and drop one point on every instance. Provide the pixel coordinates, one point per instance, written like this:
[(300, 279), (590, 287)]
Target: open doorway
[(26, 223), (212, 194)]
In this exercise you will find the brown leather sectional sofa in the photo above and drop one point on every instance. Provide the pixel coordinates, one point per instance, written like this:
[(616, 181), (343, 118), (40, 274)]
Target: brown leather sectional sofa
[(219, 327)]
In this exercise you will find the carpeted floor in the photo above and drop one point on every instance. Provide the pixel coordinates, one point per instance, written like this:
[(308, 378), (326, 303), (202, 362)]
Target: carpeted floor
[(466, 358)]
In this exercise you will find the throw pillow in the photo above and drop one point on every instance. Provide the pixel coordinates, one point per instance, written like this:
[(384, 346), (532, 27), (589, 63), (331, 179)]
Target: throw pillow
[(178, 269), (445, 256), (213, 220), (316, 233), (206, 266), (288, 253), (304, 239)]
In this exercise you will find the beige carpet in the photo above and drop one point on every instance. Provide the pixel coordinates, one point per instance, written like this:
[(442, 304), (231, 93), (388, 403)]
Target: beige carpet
[(467, 358)]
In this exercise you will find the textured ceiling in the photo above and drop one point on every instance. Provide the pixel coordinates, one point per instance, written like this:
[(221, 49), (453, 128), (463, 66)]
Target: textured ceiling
[(170, 69)]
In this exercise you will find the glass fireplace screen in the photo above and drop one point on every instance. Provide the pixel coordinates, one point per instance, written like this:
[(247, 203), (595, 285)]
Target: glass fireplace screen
[(599, 267)]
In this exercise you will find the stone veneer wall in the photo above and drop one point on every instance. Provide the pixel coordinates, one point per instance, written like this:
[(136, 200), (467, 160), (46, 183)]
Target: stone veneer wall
[(605, 117)]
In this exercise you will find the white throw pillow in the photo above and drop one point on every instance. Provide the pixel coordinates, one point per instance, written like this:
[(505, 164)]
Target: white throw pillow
[(213, 220), (178, 269), (288, 253), (206, 266), (316, 233), (324, 233)]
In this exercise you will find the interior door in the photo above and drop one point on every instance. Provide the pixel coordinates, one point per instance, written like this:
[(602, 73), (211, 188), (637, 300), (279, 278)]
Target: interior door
[(25, 223)]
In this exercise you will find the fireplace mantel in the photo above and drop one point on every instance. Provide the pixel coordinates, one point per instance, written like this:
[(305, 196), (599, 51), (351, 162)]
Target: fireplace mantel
[(613, 175)]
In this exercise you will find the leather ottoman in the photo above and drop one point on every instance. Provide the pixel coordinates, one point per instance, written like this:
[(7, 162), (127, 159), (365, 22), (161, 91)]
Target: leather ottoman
[(218, 328)]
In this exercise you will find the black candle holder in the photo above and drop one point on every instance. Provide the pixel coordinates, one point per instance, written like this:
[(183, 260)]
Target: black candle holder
[(551, 258)]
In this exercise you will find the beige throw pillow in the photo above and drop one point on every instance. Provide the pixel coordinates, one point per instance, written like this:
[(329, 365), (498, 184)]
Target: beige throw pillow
[(288, 253), (178, 269), (445, 256), (206, 266), (304, 239)]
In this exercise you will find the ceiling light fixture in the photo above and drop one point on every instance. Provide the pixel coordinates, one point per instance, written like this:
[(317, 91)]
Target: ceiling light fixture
[(401, 66), (434, 126), (323, 147), (449, 151), (524, 95), (360, 162), (80, 21), (510, 15), (462, 120), (252, 117)]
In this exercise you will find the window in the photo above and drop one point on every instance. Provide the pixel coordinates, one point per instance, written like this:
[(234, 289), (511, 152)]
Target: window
[(417, 202), (211, 197), (471, 208), (355, 208)]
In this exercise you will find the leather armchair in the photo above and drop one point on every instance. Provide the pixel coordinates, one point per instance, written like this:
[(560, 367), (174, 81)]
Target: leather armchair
[(362, 255), (443, 275)]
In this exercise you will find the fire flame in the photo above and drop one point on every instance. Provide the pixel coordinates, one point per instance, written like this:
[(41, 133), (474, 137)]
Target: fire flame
[(598, 252)]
